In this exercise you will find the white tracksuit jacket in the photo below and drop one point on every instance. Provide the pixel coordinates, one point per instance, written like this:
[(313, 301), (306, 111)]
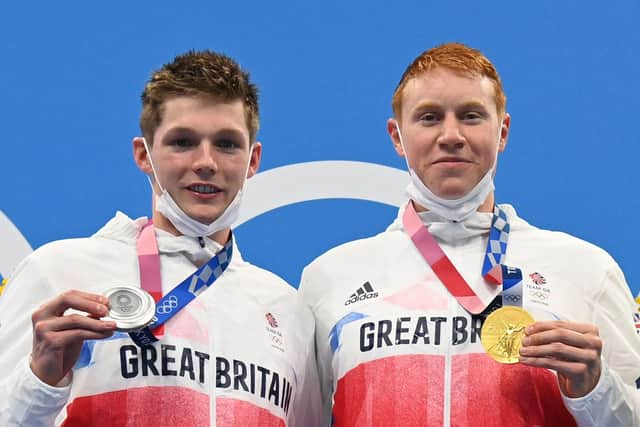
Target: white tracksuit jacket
[(396, 349), (261, 369)]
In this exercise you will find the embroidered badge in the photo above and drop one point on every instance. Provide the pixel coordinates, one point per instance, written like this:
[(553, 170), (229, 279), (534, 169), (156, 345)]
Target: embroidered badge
[(271, 320), (276, 338), (538, 291), (538, 278)]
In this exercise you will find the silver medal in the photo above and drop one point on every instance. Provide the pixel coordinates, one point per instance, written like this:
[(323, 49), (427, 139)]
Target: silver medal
[(131, 308)]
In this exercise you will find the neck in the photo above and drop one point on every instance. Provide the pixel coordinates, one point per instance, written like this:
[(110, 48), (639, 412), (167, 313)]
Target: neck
[(161, 222), (486, 206)]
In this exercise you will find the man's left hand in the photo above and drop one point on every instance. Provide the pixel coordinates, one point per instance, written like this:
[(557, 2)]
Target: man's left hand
[(571, 349)]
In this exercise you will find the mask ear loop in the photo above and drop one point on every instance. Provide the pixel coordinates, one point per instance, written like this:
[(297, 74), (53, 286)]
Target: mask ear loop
[(495, 161), (246, 170), (153, 169), (404, 148)]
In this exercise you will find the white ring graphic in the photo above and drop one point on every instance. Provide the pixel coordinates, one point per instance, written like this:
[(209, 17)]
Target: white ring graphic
[(333, 179)]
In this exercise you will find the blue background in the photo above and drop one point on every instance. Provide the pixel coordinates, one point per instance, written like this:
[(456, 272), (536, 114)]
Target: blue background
[(72, 73)]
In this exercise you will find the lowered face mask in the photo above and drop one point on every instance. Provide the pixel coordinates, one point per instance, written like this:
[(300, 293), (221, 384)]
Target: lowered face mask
[(183, 222), (452, 209)]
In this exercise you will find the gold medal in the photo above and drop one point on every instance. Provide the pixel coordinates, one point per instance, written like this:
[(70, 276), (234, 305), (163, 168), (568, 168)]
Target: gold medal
[(502, 332)]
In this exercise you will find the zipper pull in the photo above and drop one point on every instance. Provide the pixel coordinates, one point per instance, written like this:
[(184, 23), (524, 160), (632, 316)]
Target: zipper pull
[(201, 241)]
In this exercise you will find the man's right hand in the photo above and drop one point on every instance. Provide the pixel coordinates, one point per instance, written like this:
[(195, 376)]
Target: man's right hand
[(58, 338)]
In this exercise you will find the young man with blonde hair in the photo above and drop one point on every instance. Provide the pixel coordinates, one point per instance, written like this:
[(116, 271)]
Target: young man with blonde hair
[(461, 313), (160, 321)]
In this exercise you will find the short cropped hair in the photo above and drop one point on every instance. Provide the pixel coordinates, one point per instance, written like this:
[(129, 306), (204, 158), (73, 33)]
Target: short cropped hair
[(198, 73), (456, 57)]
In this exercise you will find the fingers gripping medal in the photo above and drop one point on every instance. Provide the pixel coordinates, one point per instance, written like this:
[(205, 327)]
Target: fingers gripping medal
[(131, 308)]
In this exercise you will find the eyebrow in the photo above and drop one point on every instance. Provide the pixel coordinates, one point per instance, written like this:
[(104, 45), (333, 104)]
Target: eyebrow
[(474, 104), (429, 105), (178, 129), (182, 130)]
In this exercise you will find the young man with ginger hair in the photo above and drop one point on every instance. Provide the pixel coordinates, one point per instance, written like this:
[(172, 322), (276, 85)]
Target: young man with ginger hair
[(400, 316), (238, 352)]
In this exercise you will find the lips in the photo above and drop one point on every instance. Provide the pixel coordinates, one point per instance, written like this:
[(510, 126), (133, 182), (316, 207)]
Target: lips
[(203, 188), (451, 160)]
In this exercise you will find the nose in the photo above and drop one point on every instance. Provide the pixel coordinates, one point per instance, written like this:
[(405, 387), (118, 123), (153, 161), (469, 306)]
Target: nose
[(450, 135), (204, 161)]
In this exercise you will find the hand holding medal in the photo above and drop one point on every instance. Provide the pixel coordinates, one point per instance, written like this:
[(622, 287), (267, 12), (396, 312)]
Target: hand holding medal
[(571, 349), (510, 334), (58, 334)]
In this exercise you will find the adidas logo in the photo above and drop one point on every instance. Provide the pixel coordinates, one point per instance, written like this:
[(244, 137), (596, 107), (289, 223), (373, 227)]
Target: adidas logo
[(362, 293)]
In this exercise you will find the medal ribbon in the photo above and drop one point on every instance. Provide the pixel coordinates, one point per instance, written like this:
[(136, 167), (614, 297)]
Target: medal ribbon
[(149, 263), (511, 277), (492, 268), (512, 286), (183, 293)]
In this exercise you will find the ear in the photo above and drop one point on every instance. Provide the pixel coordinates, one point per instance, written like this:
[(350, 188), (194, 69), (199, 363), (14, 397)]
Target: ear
[(140, 155), (504, 132), (392, 130), (254, 163)]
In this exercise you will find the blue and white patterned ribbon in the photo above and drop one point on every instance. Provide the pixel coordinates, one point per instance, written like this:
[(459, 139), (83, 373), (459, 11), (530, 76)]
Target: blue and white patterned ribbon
[(185, 292)]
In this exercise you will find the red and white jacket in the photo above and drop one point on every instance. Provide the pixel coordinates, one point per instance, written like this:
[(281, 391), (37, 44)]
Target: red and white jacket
[(396, 349), (241, 354)]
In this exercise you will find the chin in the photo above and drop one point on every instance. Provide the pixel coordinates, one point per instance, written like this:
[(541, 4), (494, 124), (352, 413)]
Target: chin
[(204, 219), (451, 194)]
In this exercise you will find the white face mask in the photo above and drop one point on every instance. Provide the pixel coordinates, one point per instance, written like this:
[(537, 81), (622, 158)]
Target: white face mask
[(451, 209), (183, 222)]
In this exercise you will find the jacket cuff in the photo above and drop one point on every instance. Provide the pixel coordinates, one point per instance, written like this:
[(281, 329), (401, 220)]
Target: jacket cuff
[(34, 402), (585, 409)]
